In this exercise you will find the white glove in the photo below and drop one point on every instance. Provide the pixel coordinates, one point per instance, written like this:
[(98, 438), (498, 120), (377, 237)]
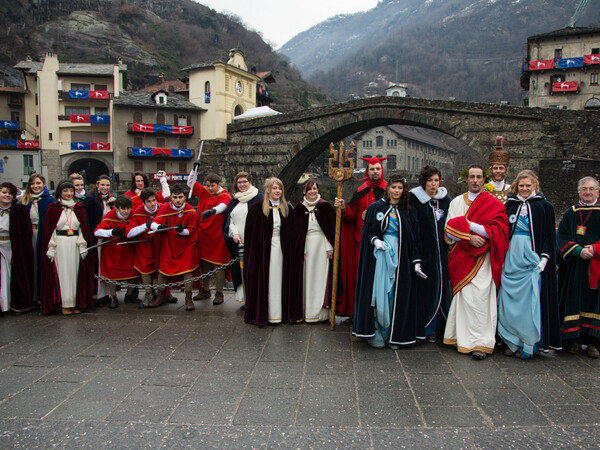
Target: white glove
[(419, 272), (84, 254), (161, 174), (542, 264), (50, 253), (379, 244), (190, 180)]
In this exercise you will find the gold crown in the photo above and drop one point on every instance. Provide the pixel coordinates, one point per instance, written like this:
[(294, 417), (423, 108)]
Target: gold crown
[(499, 156)]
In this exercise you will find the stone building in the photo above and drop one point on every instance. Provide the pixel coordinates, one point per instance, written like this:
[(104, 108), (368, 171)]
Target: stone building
[(68, 107), (154, 131), (19, 147), (408, 149), (224, 90), (562, 69)]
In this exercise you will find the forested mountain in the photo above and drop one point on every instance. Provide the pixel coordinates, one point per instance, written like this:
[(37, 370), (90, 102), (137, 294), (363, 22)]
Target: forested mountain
[(469, 49), (151, 36)]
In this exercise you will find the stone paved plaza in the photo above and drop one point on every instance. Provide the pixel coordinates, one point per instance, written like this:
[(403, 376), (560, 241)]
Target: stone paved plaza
[(167, 378)]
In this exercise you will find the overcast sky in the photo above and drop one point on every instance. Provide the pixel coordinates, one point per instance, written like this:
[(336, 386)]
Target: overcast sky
[(280, 20)]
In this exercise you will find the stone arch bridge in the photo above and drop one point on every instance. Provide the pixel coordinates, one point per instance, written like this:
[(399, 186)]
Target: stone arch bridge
[(284, 145)]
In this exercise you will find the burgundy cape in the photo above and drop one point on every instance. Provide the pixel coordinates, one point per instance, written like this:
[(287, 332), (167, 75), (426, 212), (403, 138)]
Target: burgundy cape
[(257, 253), (325, 215), (85, 278), (21, 279)]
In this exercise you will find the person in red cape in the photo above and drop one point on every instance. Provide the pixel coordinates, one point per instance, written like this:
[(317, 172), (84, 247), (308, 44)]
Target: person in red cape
[(144, 260), (477, 229), (140, 181), (67, 272), (116, 261), (212, 203), (353, 215), (175, 249), (16, 253)]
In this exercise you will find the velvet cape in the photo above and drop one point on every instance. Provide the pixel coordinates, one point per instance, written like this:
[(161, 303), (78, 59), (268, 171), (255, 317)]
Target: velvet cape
[(543, 240), (404, 326), (236, 270), (579, 305), (349, 242), (21, 278), (257, 252), (325, 215), (94, 212), (50, 287), (44, 201), (434, 293)]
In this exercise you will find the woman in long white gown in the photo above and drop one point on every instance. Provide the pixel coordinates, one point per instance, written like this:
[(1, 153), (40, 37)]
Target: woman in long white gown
[(314, 232)]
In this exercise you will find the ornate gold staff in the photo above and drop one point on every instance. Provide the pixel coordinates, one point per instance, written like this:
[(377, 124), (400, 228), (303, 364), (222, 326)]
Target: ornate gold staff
[(339, 174)]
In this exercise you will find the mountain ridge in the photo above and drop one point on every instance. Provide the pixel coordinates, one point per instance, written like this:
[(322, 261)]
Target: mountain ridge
[(468, 49)]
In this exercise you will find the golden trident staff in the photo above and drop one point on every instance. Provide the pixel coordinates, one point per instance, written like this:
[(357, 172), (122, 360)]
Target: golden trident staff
[(339, 174)]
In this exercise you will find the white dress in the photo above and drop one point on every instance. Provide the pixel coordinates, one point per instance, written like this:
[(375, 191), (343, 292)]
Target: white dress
[(67, 256), (275, 271), (471, 323), (34, 215), (316, 270), (5, 262)]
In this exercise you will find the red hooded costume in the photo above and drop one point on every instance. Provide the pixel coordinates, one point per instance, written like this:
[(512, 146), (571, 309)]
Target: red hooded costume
[(352, 221)]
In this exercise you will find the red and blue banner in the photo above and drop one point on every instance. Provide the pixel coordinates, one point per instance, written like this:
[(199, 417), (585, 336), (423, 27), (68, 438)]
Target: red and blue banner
[(158, 151), (564, 86), (90, 118), (9, 124), (541, 64), (90, 145), (154, 128), (591, 59), (91, 95), (570, 63), (18, 143)]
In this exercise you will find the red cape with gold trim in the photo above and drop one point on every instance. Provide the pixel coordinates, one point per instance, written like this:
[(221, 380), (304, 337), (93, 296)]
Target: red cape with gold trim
[(465, 260)]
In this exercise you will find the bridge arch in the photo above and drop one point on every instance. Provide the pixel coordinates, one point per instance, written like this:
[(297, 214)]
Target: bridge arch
[(348, 125), (285, 144)]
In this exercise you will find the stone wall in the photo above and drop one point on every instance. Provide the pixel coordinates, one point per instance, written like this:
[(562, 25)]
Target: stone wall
[(559, 177), (286, 144)]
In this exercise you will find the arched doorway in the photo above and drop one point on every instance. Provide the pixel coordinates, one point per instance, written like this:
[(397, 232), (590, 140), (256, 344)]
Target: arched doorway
[(90, 168)]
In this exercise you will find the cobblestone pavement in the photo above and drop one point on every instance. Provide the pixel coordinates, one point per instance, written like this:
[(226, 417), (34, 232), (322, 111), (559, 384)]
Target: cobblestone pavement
[(167, 378)]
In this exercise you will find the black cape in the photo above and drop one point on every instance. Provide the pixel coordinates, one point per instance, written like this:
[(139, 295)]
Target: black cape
[(435, 293), (404, 327), (236, 272), (257, 252), (542, 228)]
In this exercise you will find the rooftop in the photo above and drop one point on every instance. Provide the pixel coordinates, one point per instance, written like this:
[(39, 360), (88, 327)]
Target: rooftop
[(32, 67), (144, 99), (565, 32)]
